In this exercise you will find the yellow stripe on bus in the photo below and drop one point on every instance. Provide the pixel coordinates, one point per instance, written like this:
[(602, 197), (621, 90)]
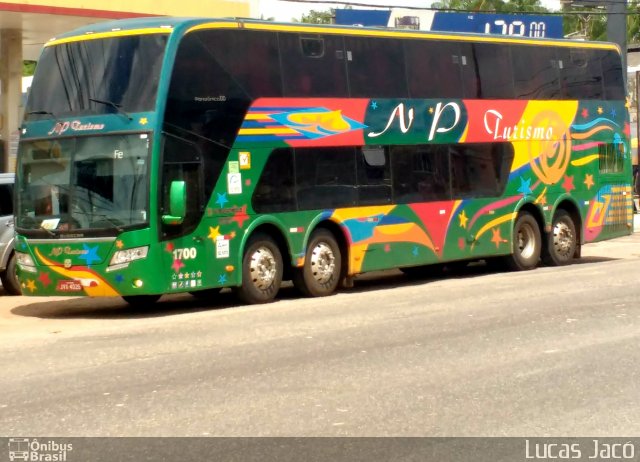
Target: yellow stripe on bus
[(267, 131), (109, 34), (257, 117), (399, 33)]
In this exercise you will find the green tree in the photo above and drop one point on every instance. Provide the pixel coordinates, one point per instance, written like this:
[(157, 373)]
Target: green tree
[(28, 68), (318, 17), (498, 6)]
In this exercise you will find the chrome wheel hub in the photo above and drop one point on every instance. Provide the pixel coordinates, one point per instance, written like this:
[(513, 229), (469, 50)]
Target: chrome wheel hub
[(526, 241), (322, 263), (562, 239), (263, 268)]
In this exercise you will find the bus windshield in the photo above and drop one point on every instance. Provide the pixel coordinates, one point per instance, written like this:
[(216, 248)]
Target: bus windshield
[(98, 76), (92, 185)]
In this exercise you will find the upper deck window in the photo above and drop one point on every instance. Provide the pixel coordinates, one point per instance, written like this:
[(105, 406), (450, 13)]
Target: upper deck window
[(121, 70)]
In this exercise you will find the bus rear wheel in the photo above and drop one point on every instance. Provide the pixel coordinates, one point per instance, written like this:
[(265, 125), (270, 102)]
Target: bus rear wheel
[(527, 243), (261, 270), (320, 274), (562, 241)]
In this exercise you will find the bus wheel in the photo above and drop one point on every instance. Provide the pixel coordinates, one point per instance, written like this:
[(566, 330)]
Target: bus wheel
[(320, 274), (10, 278), (141, 300), (261, 270), (562, 241), (527, 243)]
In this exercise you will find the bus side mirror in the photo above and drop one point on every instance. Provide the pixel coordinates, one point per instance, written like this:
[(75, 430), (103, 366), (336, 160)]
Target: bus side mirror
[(177, 204)]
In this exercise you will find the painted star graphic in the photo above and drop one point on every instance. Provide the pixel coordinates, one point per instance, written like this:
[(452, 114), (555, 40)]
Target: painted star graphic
[(525, 186), (241, 216), (222, 199), (169, 247), (374, 105), (222, 279), (463, 219), (119, 278), (497, 239), (613, 112), (415, 251), (588, 180), (431, 110), (600, 110), (144, 121), (44, 279), (119, 244), (585, 113), (91, 254), (31, 285), (177, 265), (567, 184), (214, 233), (387, 248)]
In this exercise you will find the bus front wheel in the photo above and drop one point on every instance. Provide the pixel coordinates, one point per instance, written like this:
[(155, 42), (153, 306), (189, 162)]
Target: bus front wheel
[(527, 243), (261, 270), (562, 241), (320, 274)]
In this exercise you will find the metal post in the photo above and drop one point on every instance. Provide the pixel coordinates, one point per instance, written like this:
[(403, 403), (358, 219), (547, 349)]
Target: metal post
[(617, 28)]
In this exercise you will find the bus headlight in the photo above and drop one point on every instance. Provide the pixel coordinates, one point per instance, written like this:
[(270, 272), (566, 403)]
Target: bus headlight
[(124, 257), (26, 262)]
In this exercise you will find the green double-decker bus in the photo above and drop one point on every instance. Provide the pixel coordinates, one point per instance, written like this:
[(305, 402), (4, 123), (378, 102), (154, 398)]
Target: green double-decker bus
[(168, 155)]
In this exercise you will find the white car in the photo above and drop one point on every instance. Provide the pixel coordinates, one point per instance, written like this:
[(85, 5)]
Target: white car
[(7, 256)]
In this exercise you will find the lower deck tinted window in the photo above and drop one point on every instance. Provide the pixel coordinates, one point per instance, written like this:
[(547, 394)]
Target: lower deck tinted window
[(326, 178), (480, 170), (275, 192), (420, 173)]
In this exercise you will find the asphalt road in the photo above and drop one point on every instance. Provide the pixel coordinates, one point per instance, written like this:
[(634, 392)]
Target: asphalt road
[(549, 352)]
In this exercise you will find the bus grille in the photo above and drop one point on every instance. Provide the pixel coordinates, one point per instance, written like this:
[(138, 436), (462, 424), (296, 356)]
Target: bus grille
[(620, 210)]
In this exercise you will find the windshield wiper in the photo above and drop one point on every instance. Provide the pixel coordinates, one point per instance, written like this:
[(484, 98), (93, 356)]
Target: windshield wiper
[(114, 224), (117, 107), (48, 231), (42, 113)]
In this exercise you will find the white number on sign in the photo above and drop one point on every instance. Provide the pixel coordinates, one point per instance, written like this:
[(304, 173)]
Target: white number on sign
[(185, 254)]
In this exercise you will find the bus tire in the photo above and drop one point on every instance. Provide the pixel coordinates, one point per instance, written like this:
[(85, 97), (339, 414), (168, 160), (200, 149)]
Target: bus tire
[(141, 300), (561, 241), (320, 274), (10, 278), (527, 243), (261, 270)]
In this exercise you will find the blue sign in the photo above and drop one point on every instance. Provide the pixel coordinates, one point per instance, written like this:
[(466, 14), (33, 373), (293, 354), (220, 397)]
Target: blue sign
[(370, 18), (519, 25)]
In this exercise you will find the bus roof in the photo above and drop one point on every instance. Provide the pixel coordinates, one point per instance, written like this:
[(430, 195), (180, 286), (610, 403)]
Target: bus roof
[(164, 24)]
